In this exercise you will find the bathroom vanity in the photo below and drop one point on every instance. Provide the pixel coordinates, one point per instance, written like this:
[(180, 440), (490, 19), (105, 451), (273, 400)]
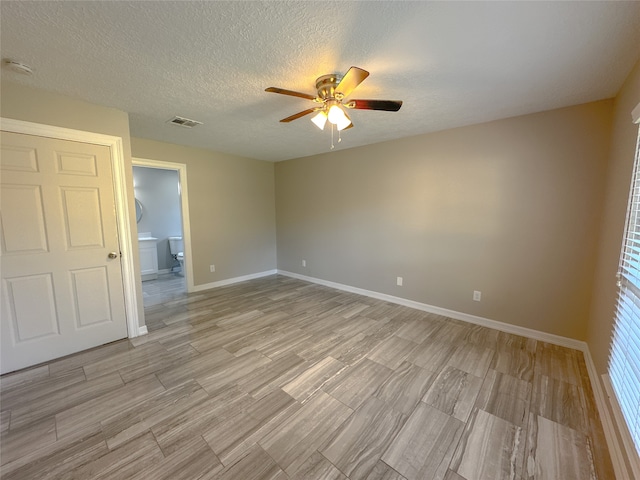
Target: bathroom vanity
[(148, 247)]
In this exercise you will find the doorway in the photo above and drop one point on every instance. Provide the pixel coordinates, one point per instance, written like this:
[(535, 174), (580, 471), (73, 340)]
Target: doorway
[(163, 230)]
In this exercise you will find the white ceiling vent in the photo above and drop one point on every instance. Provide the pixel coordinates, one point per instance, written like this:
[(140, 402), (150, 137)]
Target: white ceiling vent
[(183, 122)]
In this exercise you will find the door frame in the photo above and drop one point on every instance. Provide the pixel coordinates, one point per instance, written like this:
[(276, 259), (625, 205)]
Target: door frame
[(116, 150), (181, 168)]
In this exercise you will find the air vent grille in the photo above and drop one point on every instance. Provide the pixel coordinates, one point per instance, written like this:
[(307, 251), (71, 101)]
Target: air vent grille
[(183, 122)]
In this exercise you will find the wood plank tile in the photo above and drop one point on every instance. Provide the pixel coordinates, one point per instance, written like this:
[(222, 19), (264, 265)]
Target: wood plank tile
[(516, 363), (267, 322), (32, 437), (509, 341), (177, 432), (56, 460), (506, 397), (89, 356), (355, 326), (358, 382), (156, 363), (30, 391), (313, 378), (216, 338), (482, 336), (126, 461), (256, 465), (602, 460), (454, 392), (263, 380), (418, 330), (472, 359), (317, 467), (425, 445), (126, 425), (362, 439), (193, 368), (557, 362), (432, 355), (450, 331), (197, 462), (21, 377), (162, 334), (405, 387), (392, 351), (451, 475), (286, 343), (231, 438), (5, 418), (559, 401), (555, 451), (60, 400), (306, 430), (318, 346), (490, 448), (73, 421), (382, 471), (359, 349), (228, 372)]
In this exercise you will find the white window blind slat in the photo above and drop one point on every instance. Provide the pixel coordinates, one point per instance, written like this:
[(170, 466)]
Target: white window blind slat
[(624, 357)]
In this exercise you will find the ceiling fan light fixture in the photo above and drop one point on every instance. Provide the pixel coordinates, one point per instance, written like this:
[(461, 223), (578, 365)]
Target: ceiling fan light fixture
[(338, 117), (320, 119), (336, 114)]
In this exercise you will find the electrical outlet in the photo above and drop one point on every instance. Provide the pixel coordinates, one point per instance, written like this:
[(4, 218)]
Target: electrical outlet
[(212, 268), (399, 281), (477, 296), (304, 263)]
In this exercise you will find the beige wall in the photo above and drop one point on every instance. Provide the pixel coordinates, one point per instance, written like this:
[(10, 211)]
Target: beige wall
[(615, 207), (231, 209), (33, 105), (510, 208)]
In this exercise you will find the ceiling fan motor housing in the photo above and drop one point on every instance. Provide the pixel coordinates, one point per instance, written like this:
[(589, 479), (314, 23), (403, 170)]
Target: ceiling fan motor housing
[(326, 86)]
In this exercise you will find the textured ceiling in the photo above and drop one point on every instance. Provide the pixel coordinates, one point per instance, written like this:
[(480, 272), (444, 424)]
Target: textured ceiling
[(452, 63)]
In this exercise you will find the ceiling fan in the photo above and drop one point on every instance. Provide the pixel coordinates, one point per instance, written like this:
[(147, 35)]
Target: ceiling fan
[(332, 92)]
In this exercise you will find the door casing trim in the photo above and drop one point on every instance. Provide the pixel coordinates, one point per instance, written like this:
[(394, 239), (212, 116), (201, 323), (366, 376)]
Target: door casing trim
[(116, 149)]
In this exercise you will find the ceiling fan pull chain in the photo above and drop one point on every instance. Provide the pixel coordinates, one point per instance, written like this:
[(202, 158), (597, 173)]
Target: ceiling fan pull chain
[(339, 136), (332, 145)]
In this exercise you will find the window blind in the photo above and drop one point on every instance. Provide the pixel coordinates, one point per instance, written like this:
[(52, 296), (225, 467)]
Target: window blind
[(624, 359)]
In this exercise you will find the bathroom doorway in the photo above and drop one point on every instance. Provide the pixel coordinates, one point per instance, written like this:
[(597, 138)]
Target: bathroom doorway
[(163, 230)]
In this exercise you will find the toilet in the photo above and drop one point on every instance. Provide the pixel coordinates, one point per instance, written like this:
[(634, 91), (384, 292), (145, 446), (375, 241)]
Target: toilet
[(176, 247)]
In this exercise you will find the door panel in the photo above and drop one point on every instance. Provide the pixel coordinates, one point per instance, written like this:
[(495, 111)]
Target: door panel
[(61, 293), (33, 307), (24, 230)]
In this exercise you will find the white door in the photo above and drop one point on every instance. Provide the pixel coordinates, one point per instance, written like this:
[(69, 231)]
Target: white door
[(61, 291)]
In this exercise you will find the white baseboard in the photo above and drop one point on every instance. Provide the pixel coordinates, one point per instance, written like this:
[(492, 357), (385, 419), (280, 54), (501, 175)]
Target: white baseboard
[(625, 436), (230, 281), (608, 423), (485, 322), (142, 330), (615, 449)]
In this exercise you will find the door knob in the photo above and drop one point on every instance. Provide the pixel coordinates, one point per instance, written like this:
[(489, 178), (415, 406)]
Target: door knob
[(113, 255)]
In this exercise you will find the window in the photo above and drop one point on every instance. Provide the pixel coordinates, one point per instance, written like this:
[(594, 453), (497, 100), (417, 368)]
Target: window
[(624, 360)]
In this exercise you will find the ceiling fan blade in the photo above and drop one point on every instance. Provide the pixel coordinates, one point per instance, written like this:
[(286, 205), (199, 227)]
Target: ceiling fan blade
[(386, 105), (354, 77), (298, 115), (282, 91)]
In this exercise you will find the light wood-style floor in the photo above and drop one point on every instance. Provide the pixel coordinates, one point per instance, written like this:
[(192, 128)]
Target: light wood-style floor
[(167, 287), (280, 379)]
